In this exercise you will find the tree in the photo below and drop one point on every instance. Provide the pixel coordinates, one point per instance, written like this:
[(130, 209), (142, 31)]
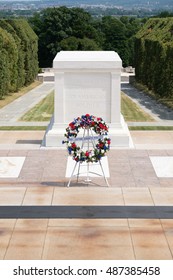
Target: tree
[(60, 28), (115, 37), (73, 44)]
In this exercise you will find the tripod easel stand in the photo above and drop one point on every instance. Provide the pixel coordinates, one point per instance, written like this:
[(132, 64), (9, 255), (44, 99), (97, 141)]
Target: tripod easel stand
[(89, 140)]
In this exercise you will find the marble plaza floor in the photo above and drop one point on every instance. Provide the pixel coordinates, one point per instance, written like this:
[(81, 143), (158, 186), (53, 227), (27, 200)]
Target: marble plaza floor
[(40, 218)]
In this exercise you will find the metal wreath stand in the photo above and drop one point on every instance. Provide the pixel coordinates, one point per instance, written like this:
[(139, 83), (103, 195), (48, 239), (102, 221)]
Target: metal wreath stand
[(89, 139)]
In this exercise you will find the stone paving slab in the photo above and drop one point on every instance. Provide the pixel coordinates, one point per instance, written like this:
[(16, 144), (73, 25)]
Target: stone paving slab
[(74, 239), (42, 183)]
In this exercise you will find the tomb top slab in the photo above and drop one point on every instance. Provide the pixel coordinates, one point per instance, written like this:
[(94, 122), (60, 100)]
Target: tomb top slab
[(87, 59)]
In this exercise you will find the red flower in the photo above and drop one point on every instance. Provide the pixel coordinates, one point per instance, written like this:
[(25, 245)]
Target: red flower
[(87, 115), (101, 145), (72, 126), (87, 154), (109, 141), (101, 126), (73, 145)]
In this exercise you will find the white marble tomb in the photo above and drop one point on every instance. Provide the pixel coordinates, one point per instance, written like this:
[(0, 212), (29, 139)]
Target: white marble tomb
[(87, 82)]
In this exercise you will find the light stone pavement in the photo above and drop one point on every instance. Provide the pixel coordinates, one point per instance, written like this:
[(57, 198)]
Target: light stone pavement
[(42, 183)]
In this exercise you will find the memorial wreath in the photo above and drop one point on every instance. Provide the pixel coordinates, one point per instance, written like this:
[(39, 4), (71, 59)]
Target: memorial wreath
[(100, 148)]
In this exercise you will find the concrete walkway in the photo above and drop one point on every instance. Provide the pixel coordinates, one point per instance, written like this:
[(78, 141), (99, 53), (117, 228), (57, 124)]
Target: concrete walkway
[(159, 112), (10, 114)]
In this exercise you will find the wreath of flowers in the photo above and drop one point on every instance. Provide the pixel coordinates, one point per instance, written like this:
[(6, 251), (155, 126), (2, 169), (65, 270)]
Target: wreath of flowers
[(102, 145)]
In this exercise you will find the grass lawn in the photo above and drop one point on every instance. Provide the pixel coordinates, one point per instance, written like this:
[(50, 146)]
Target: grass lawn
[(132, 112), (151, 128), (44, 110), (12, 96), (39, 128), (20, 128)]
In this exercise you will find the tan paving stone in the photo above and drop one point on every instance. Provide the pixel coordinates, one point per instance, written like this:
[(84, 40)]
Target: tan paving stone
[(169, 152), (88, 243), (34, 162), (30, 175), (52, 172), (38, 196), (32, 223), (157, 152), (144, 173), (151, 137), (148, 237), (4, 153), (153, 184), (166, 182), (122, 181), (7, 223), (11, 195), (137, 196), (167, 223), (18, 153), (88, 196), (26, 244), (162, 196), (142, 181), (137, 154), (6, 229), (117, 155), (5, 235), (88, 222), (144, 223), (150, 253)]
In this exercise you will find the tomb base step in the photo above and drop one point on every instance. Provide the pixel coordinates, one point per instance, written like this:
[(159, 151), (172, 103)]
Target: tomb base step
[(118, 133)]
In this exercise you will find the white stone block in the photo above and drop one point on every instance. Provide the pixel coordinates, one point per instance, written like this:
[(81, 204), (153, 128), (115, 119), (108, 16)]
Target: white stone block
[(87, 82), (163, 166), (10, 167)]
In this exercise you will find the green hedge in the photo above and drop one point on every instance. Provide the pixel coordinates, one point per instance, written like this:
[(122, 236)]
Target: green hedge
[(18, 55), (154, 56), (8, 62)]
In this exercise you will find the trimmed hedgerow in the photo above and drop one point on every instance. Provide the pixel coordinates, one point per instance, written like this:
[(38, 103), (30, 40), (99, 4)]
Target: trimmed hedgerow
[(154, 56), (18, 55)]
